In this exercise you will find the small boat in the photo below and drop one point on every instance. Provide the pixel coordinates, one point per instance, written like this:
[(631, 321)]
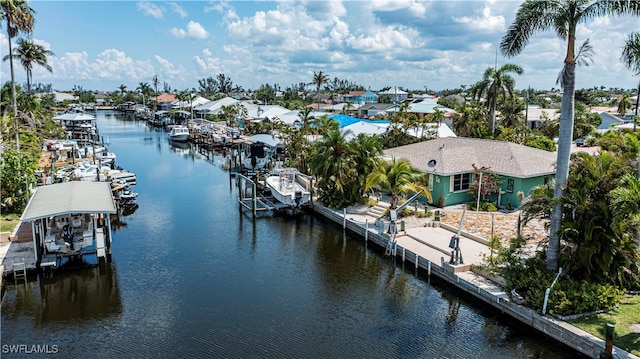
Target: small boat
[(286, 189), (123, 193), (179, 133)]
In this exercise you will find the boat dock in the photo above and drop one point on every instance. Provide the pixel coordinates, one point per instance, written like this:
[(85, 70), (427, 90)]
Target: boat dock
[(428, 249), (254, 195)]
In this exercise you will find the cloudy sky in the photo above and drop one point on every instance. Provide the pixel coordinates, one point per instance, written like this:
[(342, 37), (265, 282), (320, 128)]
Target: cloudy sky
[(100, 45)]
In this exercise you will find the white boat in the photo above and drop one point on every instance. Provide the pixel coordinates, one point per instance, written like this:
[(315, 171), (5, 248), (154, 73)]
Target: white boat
[(286, 189), (179, 133)]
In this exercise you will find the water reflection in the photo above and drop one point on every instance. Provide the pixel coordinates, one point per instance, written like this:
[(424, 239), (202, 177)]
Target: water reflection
[(68, 296)]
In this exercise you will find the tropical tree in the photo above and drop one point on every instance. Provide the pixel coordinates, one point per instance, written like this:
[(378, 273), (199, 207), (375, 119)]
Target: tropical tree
[(366, 150), (155, 82), (398, 177), (623, 103), (319, 79), (145, 89), (29, 54), (334, 165), (597, 250), (563, 17), (496, 82), (631, 58), (19, 18), (470, 121), (122, 89), (625, 204)]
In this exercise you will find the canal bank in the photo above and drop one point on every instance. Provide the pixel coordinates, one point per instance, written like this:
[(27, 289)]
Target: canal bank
[(427, 248)]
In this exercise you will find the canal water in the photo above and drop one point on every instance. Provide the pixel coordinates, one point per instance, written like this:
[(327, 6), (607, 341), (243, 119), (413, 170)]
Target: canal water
[(193, 276)]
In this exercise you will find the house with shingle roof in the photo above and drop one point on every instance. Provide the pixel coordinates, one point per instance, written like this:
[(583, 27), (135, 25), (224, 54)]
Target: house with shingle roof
[(448, 163)]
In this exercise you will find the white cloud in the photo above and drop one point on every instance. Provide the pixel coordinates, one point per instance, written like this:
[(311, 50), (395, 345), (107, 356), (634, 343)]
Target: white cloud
[(483, 21), (416, 8), (150, 9), (194, 30), (178, 9)]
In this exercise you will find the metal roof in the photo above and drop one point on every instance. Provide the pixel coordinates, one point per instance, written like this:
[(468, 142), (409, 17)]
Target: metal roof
[(70, 197)]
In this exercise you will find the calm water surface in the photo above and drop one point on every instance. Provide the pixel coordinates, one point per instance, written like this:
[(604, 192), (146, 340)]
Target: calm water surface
[(193, 276)]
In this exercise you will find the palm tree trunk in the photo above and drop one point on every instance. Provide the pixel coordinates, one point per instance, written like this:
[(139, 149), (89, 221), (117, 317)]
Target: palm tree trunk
[(562, 170), (635, 118), (14, 97)]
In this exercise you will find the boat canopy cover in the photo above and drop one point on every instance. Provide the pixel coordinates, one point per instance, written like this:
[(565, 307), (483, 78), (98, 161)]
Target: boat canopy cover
[(70, 197), (268, 140)]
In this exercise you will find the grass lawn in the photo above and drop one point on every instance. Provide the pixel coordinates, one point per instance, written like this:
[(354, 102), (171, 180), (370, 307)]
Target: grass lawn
[(8, 222), (627, 314)]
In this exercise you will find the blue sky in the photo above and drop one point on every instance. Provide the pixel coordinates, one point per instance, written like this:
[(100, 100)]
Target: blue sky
[(100, 45)]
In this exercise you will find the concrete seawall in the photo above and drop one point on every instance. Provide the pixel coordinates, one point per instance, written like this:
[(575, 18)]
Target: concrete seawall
[(431, 259)]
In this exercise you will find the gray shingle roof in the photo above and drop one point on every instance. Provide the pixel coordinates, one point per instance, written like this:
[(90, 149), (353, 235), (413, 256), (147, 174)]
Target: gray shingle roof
[(454, 155)]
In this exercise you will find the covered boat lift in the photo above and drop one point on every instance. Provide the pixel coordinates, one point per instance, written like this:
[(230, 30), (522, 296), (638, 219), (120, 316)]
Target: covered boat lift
[(70, 219)]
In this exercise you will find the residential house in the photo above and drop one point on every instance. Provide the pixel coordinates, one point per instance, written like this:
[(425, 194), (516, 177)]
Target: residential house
[(164, 101), (535, 115), (427, 107), (449, 162), (395, 94), (360, 97), (370, 110)]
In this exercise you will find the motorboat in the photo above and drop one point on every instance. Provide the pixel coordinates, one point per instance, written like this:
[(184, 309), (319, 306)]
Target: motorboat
[(123, 193), (69, 233), (179, 133), (287, 189)]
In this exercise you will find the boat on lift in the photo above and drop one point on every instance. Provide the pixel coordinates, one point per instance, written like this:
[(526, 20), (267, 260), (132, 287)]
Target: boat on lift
[(286, 187)]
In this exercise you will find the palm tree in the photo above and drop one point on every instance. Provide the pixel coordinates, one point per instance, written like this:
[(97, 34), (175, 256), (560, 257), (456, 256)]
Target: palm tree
[(19, 18), (598, 248), (563, 17), (122, 88), (496, 82), (365, 149), (155, 81), (397, 176), (624, 103), (319, 79), (29, 53), (631, 58), (334, 165), (625, 204), (145, 89)]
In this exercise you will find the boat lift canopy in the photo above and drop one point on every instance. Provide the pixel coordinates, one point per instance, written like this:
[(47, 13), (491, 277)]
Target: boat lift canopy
[(70, 197)]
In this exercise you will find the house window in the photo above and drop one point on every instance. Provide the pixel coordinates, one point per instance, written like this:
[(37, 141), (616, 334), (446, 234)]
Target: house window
[(461, 182), (510, 185)]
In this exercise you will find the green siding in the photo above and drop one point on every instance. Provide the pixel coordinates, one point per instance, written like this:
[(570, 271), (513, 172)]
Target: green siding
[(441, 189)]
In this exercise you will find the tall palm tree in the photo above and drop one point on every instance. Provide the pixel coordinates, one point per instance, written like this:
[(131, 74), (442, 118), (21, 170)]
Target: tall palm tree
[(496, 82), (28, 54), (319, 79), (155, 81), (145, 89), (397, 176), (122, 89), (19, 18), (624, 104), (563, 17), (631, 58)]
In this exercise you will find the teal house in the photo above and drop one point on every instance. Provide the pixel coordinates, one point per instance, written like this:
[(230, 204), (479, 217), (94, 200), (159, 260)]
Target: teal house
[(448, 163)]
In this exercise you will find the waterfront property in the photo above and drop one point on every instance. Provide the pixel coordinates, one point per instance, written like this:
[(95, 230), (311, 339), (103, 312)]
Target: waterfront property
[(70, 219), (449, 162)]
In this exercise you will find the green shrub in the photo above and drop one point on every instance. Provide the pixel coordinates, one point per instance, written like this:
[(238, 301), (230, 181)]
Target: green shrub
[(530, 279)]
